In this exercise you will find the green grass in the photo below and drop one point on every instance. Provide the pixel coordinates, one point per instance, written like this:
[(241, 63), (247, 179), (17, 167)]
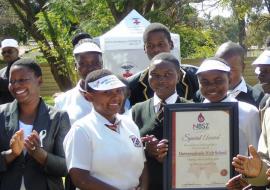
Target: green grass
[(49, 100)]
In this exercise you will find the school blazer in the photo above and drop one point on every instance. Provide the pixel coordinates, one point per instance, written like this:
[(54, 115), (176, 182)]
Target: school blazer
[(36, 177), (144, 116), (141, 91)]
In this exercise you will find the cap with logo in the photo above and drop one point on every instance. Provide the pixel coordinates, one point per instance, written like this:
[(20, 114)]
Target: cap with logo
[(108, 82)]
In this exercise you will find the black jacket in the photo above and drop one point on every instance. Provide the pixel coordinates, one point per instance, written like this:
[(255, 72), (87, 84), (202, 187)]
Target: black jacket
[(36, 177), (141, 91)]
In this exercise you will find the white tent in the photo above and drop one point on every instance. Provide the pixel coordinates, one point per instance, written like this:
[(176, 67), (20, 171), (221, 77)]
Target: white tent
[(123, 45)]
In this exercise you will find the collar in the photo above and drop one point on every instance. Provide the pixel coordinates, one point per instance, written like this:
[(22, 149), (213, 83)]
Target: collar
[(241, 87), (102, 120), (170, 100), (229, 98)]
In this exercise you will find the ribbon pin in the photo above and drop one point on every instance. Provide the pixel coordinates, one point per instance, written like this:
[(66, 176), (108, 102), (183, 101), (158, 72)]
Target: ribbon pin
[(42, 135)]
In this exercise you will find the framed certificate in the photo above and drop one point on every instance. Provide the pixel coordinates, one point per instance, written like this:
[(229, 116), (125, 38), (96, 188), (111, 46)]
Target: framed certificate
[(203, 138)]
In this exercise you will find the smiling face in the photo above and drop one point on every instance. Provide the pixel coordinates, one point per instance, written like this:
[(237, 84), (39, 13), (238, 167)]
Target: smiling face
[(24, 85), (214, 85), (107, 102), (156, 43), (163, 78)]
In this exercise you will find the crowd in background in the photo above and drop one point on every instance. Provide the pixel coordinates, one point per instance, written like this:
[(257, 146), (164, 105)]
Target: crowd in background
[(107, 131)]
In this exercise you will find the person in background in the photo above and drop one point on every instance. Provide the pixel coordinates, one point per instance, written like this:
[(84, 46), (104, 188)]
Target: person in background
[(88, 58), (262, 70), (157, 39), (234, 55), (126, 105), (10, 53), (31, 134), (104, 150), (164, 74)]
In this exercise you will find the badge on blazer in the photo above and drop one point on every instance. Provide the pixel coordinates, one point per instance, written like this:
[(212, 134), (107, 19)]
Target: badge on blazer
[(136, 141)]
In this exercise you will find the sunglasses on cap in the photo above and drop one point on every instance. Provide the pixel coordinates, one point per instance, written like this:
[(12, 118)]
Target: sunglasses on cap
[(9, 51)]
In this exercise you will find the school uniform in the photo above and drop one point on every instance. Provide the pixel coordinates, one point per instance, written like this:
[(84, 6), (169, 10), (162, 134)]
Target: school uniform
[(141, 91), (145, 116), (249, 124), (114, 157), (245, 93), (74, 103)]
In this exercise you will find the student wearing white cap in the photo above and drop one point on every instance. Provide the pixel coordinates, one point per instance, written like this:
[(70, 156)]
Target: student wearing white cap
[(262, 70), (104, 150), (88, 58), (213, 75), (10, 53)]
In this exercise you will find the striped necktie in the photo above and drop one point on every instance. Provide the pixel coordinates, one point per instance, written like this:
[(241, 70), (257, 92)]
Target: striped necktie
[(112, 127), (160, 113)]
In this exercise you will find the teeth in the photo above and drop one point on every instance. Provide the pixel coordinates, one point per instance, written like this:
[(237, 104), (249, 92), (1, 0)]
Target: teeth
[(20, 92)]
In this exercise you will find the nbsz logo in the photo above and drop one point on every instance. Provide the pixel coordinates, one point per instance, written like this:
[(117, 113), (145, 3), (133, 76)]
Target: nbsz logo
[(201, 125)]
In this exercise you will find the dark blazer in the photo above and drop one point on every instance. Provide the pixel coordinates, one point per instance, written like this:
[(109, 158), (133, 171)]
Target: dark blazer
[(145, 117), (36, 177), (141, 91), (253, 96)]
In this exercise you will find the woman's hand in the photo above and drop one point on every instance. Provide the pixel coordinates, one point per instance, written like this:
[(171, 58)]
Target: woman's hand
[(32, 145), (162, 149), (17, 143)]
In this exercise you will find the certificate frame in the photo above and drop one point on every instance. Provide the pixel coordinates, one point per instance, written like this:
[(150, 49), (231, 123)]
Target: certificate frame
[(171, 132)]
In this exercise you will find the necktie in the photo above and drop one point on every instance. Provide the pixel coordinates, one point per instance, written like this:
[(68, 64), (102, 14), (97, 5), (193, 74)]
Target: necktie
[(112, 127), (160, 113)]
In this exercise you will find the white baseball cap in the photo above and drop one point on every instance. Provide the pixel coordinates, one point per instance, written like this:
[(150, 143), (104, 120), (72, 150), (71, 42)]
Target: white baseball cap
[(263, 59), (9, 43), (213, 64), (86, 47), (106, 83)]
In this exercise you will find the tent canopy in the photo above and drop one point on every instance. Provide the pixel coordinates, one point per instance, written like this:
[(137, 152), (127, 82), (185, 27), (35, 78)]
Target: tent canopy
[(122, 46)]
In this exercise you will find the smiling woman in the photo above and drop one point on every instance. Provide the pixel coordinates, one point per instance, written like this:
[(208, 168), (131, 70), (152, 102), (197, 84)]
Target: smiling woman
[(31, 134)]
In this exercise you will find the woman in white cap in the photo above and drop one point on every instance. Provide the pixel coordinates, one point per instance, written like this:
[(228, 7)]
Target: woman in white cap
[(10, 53), (213, 75), (104, 150), (88, 58)]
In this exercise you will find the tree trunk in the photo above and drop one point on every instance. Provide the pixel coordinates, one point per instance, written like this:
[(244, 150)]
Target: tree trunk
[(57, 62)]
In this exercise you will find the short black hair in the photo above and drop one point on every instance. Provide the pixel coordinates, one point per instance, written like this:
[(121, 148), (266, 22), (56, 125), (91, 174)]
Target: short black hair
[(230, 49), (29, 64), (95, 75), (168, 57), (80, 36), (156, 27)]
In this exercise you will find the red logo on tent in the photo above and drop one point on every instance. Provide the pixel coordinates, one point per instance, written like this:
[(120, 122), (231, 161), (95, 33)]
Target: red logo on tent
[(136, 21), (201, 118)]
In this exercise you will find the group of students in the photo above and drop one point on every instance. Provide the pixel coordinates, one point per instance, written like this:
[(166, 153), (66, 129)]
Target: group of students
[(101, 144)]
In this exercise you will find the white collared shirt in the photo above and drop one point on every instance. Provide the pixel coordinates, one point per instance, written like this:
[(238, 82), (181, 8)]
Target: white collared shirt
[(249, 124), (114, 158), (171, 100), (241, 87), (74, 103)]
